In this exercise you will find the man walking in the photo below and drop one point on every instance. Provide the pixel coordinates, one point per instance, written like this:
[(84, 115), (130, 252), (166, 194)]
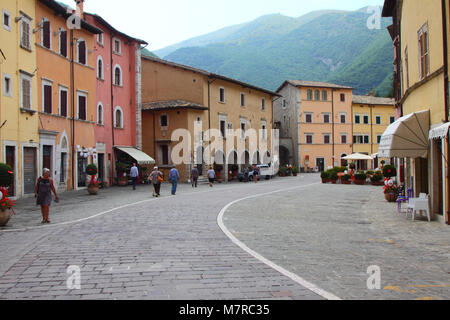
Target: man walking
[(134, 174), (194, 176), (211, 176), (174, 176), (156, 177)]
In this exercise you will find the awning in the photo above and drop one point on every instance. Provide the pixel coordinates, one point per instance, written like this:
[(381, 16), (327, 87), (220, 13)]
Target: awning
[(358, 156), (407, 137), (440, 132), (140, 157)]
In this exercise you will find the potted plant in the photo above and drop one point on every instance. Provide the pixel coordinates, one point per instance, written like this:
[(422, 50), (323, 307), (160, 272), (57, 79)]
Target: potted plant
[(345, 179), (283, 171), (391, 191), (325, 175), (352, 166), (333, 176), (360, 178), (92, 171), (389, 171), (6, 204), (295, 171), (377, 179), (122, 169)]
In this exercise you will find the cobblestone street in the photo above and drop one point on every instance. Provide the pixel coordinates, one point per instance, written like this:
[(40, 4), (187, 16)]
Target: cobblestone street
[(132, 246)]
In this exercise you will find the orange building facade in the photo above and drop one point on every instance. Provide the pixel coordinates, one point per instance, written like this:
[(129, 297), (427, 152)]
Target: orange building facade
[(315, 121), (66, 93)]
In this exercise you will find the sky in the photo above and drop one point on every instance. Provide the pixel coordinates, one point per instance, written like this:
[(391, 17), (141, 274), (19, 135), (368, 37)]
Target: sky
[(165, 22)]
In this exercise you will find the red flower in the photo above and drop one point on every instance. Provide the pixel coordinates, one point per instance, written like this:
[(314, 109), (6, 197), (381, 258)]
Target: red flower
[(10, 172)]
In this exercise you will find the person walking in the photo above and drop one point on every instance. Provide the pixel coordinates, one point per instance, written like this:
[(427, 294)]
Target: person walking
[(255, 173), (157, 178), (211, 176), (43, 192), (134, 174), (194, 176), (174, 176)]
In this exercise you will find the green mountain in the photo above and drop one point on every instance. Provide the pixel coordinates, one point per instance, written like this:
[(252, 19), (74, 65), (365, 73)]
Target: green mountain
[(146, 52), (333, 46)]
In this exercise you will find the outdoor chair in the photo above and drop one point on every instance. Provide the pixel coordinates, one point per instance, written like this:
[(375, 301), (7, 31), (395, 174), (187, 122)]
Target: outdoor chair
[(420, 204), (404, 199)]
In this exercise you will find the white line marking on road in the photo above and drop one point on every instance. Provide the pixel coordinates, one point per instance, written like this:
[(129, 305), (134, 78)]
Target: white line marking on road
[(293, 276)]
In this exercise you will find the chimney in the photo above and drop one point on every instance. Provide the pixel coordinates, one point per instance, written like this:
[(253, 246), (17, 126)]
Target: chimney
[(371, 93), (80, 8)]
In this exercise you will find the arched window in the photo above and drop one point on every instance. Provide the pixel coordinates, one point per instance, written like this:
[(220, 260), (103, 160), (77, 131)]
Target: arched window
[(46, 34), (117, 75), (100, 68), (100, 114), (118, 118), (81, 49), (309, 94), (317, 95)]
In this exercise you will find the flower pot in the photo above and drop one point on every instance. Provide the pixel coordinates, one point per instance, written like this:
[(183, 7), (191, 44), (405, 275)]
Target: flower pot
[(294, 174), (346, 182), (378, 183), (333, 181), (5, 215), (93, 190), (324, 181), (123, 182), (391, 197), (360, 182)]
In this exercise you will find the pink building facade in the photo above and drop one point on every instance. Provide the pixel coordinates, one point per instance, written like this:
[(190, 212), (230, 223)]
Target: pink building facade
[(118, 116)]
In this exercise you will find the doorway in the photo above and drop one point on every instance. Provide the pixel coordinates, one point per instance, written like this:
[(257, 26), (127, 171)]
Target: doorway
[(29, 170), (11, 161), (82, 164), (101, 167), (320, 164)]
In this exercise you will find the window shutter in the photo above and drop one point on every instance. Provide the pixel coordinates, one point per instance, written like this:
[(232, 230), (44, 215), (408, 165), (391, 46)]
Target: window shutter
[(25, 34), (64, 103), (46, 34), (82, 108), (63, 43), (47, 99), (26, 94), (82, 52)]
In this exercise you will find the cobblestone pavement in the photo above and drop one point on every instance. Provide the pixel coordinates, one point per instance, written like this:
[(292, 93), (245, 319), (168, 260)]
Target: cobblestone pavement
[(166, 248), (331, 234)]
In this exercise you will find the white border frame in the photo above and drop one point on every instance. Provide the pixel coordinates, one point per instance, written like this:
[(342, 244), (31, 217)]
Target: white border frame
[(45, 19), (82, 94), (114, 76), (30, 32), (118, 108), (7, 143), (78, 51), (63, 88), (61, 30), (102, 76), (46, 82), (114, 46), (103, 114), (6, 12), (9, 77), (30, 79)]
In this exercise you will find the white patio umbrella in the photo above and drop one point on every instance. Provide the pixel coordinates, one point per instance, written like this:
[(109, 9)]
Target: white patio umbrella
[(358, 156)]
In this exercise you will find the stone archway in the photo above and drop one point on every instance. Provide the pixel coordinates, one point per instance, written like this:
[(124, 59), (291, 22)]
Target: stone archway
[(284, 156)]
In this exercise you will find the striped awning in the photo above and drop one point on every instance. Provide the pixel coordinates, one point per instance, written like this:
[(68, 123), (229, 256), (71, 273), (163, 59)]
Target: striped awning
[(140, 157), (440, 132)]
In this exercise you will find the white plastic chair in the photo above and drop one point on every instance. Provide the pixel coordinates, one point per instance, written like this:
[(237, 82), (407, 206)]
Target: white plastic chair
[(420, 204)]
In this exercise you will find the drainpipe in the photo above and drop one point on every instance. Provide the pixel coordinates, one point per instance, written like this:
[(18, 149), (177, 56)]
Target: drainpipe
[(113, 162), (332, 124), (446, 102), (72, 83)]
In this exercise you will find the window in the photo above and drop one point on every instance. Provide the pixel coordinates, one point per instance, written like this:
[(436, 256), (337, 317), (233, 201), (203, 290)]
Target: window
[(326, 118), (63, 99), (243, 128), (343, 118), (100, 114), (242, 99), (7, 85), (309, 94), (100, 68), (47, 96), (63, 43), (163, 120), (46, 34), (366, 139), (326, 139), (263, 104), (25, 33), (117, 46), (317, 95), (164, 154), (118, 118), (25, 92), (379, 139), (392, 119), (6, 20), (342, 97), (324, 96), (309, 138), (366, 119), (424, 57), (357, 119), (308, 117), (82, 104), (222, 95), (378, 119), (284, 104), (81, 48), (100, 39), (343, 139), (264, 129), (358, 139), (223, 125), (117, 76)]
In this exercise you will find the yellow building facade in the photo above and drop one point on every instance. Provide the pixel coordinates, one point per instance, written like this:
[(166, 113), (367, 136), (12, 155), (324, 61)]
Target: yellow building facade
[(371, 117), (418, 37), (19, 138)]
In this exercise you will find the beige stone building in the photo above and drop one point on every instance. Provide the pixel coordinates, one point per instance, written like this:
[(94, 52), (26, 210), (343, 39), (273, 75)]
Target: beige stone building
[(176, 96)]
